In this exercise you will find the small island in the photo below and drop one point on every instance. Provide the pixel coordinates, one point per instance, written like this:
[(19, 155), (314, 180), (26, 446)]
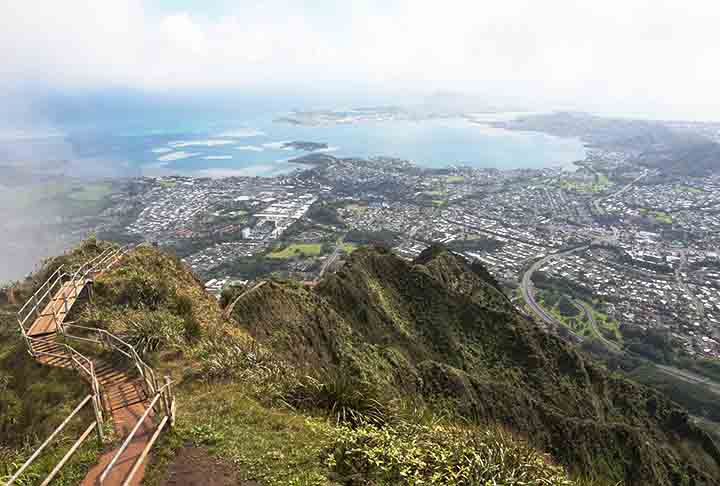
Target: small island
[(305, 146)]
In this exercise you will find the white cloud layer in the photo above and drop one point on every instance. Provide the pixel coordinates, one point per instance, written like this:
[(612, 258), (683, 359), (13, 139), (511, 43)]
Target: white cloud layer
[(597, 54)]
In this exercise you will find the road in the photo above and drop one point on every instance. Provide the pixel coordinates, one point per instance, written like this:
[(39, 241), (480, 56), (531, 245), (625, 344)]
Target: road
[(490, 232), (527, 292), (699, 308), (690, 377), (527, 288), (593, 323)]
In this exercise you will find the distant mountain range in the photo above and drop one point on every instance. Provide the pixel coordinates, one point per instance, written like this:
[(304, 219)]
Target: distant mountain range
[(654, 144)]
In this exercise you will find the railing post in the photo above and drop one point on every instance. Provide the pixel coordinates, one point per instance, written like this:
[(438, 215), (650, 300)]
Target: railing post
[(98, 419), (54, 316), (154, 382), (65, 299), (35, 299), (166, 395), (97, 408), (170, 396), (25, 338)]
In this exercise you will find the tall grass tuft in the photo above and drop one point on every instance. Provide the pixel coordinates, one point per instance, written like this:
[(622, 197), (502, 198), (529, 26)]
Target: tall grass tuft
[(347, 400), (414, 454)]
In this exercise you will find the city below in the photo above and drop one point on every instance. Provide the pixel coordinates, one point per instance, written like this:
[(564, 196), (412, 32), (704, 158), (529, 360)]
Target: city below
[(619, 249)]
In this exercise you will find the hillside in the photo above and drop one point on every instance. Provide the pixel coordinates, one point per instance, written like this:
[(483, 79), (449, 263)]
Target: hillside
[(439, 329), (689, 158), (387, 372)]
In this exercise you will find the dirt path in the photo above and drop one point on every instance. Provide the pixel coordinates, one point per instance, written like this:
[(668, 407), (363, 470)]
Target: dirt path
[(229, 309), (193, 466)]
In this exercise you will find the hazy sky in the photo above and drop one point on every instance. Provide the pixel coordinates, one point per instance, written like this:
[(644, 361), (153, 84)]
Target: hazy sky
[(655, 57)]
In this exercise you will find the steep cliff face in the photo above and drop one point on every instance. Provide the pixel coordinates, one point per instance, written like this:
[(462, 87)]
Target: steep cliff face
[(439, 328)]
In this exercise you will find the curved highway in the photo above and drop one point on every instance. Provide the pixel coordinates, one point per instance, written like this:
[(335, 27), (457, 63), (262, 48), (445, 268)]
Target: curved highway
[(527, 288), (527, 292)]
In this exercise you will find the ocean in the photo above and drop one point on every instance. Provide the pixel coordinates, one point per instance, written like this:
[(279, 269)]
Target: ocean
[(132, 137)]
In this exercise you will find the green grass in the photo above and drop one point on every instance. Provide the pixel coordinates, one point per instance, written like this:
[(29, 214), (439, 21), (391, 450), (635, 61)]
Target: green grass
[(584, 187), (413, 454), (91, 192), (349, 247), (455, 179), (662, 216), (604, 321), (72, 472), (271, 446), (356, 208), (308, 249)]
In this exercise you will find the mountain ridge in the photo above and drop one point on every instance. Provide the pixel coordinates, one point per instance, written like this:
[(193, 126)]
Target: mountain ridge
[(439, 327)]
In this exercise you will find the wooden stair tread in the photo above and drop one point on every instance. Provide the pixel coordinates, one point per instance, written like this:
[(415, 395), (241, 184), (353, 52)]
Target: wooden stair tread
[(123, 396)]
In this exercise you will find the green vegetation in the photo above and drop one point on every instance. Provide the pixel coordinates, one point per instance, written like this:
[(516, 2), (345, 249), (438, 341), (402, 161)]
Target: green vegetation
[(386, 372), (272, 445), (695, 397), (661, 216), (702, 366), (251, 268), (35, 399), (356, 208), (417, 454), (371, 237), (349, 247), (437, 331), (70, 475), (454, 179), (297, 250), (325, 213), (91, 192), (601, 184)]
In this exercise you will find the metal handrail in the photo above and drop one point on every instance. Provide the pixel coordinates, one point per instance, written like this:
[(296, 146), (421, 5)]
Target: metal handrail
[(85, 365), (41, 286), (134, 430), (93, 266), (75, 356), (129, 351), (56, 278), (48, 440), (78, 279)]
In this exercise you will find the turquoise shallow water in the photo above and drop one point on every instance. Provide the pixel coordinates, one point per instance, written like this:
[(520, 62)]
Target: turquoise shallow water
[(195, 144)]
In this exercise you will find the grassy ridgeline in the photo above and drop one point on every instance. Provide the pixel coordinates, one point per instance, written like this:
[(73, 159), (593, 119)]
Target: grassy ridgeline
[(386, 373)]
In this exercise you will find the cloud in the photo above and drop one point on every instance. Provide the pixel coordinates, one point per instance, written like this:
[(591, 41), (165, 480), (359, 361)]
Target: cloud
[(597, 53)]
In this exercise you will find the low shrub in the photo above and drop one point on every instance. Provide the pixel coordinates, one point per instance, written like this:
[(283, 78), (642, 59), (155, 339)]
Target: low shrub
[(223, 357), (347, 400), (156, 330), (412, 454)]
